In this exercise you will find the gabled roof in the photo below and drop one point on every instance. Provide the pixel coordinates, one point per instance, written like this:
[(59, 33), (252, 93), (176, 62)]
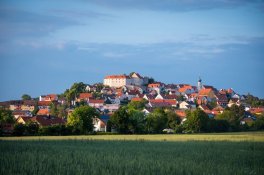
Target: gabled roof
[(95, 101), (24, 118), (154, 85), (43, 112), (221, 97), (137, 75), (47, 120), (44, 103), (85, 95), (29, 102), (136, 99), (117, 77), (205, 92)]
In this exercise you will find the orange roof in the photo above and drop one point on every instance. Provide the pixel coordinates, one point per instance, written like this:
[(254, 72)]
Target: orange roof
[(44, 103), (154, 85), (256, 110), (205, 91), (85, 95), (181, 113), (169, 101), (183, 89), (43, 112), (136, 99), (95, 101), (117, 77)]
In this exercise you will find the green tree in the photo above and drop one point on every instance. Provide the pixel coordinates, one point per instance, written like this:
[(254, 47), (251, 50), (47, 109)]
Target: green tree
[(259, 123), (81, 119), (35, 111), (173, 119), (26, 97), (6, 116), (53, 109), (120, 120), (31, 128), (151, 80), (138, 105), (232, 115), (19, 129), (156, 121), (74, 91), (62, 111), (136, 121), (196, 121)]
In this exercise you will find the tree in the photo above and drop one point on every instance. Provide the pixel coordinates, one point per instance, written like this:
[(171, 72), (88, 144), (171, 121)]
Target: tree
[(120, 120), (53, 109), (259, 123), (136, 121), (196, 121), (81, 119), (74, 91), (32, 128), (156, 121), (151, 80), (35, 111), (173, 119), (6, 116), (232, 115), (62, 111), (138, 105), (19, 129), (26, 97)]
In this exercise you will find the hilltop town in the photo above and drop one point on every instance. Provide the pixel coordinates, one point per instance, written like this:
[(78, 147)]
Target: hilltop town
[(117, 91)]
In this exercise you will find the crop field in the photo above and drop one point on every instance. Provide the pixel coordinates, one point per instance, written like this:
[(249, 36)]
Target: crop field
[(133, 155)]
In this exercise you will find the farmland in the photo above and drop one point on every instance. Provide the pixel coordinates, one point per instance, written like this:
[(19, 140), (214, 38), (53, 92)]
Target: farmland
[(240, 153)]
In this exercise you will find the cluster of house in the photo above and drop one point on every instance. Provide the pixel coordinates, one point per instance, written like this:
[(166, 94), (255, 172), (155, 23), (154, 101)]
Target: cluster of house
[(119, 89)]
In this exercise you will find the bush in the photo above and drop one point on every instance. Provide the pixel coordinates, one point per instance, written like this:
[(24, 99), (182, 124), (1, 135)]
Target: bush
[(19, 129)]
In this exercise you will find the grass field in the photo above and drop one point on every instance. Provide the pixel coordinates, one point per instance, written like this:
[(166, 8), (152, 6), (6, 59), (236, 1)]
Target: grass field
[(232, 153)]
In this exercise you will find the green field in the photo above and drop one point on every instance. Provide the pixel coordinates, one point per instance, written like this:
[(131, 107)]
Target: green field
[(232, 153)]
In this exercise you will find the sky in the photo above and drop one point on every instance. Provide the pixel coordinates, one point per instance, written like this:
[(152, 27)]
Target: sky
[(46, 46)]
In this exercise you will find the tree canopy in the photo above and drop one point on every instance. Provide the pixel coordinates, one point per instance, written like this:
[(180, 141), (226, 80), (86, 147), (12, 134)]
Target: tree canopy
[(81, 119), (196, 121), (26, 97)]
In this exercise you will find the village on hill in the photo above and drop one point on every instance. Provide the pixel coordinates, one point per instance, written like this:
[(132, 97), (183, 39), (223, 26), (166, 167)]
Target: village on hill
[(134, 89)]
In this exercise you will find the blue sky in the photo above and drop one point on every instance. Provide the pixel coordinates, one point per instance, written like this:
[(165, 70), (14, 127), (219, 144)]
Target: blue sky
[(46, 46)]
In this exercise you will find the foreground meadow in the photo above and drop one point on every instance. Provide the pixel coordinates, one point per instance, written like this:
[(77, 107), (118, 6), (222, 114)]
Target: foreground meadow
[(130, 157), (228, 153)]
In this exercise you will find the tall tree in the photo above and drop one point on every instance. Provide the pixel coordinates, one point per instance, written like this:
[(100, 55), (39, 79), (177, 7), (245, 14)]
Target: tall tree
[(74, 91), (196, 121), (121, 119), (6, 116), (26, 97), (156, 121), (173, 119), (81, 119), (53, 109)]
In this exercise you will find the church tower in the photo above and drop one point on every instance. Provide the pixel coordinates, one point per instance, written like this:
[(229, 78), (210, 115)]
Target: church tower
[(199, 84)]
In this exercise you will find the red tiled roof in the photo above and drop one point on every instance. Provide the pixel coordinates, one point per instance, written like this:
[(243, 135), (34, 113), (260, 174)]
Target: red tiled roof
[(136, 99), (45, 120), (256, 110), (85, 95), (95, 101), (44, 103), (117, 77), (43, 112), (181, 113), (154, 85), (205, 92)]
